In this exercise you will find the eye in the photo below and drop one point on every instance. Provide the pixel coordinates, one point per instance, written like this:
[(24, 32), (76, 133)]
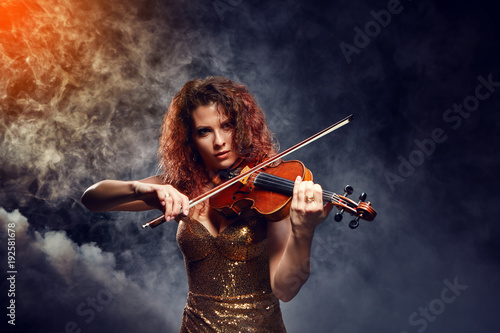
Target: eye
[(202, 131), (227, 126)]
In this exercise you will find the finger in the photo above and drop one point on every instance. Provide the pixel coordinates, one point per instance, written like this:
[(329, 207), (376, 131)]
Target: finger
[(295, 196), (185, 205), (176, 205), (169, 201), (309, 192), (162, 196), (301, 195), (298, 180), (318, 194)]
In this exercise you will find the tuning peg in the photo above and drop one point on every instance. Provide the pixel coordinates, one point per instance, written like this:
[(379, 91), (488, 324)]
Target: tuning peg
[(354, 223), (348, 190), (338, 216)]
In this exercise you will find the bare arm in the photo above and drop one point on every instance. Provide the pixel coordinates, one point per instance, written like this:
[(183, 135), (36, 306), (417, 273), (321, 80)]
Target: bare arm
[(290, 241), (145, 194)]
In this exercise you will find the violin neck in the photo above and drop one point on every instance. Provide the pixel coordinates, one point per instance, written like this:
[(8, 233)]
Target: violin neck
[(284, 186)]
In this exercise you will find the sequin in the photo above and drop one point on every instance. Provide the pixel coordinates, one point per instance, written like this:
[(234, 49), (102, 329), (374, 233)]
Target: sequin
[(228, 278)]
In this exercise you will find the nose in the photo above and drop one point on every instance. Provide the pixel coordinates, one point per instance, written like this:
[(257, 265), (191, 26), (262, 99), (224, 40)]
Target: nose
[(218, 139)]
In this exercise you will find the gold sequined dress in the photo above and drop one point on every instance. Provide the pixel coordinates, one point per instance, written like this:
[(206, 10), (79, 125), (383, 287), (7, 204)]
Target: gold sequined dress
[(228, 278)]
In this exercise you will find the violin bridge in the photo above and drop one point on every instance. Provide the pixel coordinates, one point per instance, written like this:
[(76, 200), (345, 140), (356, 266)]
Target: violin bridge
[(244, 180)]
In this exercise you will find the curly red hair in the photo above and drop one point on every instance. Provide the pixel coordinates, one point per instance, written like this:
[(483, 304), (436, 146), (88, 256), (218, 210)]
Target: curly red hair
[(180, 162)]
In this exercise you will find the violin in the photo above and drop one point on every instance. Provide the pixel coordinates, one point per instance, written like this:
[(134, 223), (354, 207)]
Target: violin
[(268, 186), (268, 191)]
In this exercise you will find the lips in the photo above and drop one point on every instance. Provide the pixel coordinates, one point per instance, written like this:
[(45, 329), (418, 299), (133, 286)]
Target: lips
[(222, 155)]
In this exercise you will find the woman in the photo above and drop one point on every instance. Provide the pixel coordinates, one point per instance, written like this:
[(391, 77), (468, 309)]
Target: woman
[(237, 267)]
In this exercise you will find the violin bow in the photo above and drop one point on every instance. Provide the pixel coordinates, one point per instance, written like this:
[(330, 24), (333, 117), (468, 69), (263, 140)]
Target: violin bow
[(161, 219)]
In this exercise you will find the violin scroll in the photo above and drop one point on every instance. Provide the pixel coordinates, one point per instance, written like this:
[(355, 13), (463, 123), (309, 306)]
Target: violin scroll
[(361, 209)]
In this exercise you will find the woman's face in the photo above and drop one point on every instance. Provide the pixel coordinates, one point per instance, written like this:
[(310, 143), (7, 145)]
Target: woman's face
[(213, 137)]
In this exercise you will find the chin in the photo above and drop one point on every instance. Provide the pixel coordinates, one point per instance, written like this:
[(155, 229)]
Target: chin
[(226, 164)]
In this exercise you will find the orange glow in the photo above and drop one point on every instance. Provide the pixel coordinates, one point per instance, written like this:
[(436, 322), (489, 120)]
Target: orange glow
[(12, 14), (37, 53), (66, 67)]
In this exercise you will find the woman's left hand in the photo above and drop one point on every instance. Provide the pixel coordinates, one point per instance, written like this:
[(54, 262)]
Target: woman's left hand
[(307, 209)]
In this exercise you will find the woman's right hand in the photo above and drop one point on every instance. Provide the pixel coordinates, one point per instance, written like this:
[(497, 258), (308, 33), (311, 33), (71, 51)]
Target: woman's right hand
[(163, 197)]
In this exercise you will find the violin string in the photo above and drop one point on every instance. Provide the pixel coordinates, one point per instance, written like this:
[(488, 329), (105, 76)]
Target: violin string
[(277, 183), (272, 180)]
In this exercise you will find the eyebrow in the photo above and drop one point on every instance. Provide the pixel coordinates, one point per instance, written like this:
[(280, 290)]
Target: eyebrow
[(227, 121)]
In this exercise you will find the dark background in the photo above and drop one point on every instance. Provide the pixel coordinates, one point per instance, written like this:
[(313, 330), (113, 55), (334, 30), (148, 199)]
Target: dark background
[(83, 89)]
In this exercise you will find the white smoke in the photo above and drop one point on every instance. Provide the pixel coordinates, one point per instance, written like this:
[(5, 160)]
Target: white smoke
[(80, 273)]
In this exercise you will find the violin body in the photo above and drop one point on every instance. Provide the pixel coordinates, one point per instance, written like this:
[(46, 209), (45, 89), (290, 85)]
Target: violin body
[(261, 192)]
